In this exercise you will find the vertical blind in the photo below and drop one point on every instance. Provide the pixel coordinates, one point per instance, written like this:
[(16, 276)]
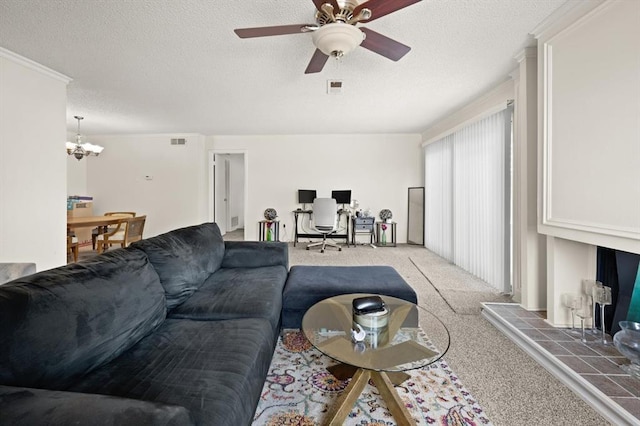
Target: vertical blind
[(467, 185)]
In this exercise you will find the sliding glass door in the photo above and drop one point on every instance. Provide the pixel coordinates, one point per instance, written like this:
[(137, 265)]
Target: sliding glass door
[(468, 198)]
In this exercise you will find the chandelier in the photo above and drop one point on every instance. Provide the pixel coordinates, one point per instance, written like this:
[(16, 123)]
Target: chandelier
[(79, 149)]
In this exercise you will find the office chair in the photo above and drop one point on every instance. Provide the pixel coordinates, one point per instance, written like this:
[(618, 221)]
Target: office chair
[(325, 221)]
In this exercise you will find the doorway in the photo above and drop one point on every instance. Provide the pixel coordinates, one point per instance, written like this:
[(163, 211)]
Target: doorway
[(228, 183)]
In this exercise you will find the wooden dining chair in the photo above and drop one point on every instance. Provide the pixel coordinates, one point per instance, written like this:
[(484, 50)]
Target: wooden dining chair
[(102, 229), (72, 247), (126, 232)]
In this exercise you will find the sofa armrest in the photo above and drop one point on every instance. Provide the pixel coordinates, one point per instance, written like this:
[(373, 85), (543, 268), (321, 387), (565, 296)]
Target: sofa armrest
[(255, 254), (26, 406)]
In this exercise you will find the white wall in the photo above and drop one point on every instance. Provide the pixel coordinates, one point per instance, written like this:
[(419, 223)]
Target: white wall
[(33, 185), (76, 174), (589, 127), (529, 256), (588, 141), (378, 169), (173, 197)]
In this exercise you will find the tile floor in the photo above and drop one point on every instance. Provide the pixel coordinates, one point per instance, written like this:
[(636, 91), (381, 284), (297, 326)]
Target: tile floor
[(593, 361)]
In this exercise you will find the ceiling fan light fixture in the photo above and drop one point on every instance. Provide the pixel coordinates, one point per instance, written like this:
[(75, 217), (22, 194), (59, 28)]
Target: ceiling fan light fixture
[(337, 39)]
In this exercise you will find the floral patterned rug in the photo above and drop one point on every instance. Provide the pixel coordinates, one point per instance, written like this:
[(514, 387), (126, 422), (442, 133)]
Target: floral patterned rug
[(299, 390)]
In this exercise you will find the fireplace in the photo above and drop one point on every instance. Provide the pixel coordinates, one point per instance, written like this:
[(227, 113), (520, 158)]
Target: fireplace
[(620, 271)]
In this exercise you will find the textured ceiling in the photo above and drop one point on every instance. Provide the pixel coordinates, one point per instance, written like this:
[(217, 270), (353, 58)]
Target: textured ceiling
[(176, 66)]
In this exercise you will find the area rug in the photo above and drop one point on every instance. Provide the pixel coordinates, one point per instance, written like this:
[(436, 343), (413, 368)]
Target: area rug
[(299, 391)]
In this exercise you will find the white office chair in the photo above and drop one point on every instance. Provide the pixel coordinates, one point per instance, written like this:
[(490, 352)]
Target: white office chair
[(325, 221)]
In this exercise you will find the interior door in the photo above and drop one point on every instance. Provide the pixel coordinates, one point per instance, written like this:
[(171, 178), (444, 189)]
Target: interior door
[(220, 192)]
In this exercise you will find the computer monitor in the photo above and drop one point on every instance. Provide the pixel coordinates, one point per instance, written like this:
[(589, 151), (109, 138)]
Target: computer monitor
[(342, 196), (306, 196)]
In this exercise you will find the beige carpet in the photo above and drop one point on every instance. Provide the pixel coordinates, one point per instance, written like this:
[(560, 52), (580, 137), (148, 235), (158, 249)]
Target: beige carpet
[(511, 387), (462, 291)]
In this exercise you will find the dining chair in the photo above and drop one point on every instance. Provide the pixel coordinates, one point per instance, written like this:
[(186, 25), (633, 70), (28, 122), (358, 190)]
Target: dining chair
[(102, 229), (72, 247), (127, 231), (325, 221)]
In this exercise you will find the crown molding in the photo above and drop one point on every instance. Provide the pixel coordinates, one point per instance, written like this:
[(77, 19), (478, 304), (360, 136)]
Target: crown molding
[(568, 12), (526, 53), (32, 65)]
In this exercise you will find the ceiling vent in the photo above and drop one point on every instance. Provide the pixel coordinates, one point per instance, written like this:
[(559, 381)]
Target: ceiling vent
[(334, 87), (178, 141)]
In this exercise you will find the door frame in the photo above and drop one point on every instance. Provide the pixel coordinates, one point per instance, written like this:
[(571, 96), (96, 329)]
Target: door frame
[(211, 191)]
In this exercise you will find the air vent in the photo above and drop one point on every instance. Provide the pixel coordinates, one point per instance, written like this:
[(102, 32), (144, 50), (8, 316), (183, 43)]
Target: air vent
[(178, 141), (334, 87)]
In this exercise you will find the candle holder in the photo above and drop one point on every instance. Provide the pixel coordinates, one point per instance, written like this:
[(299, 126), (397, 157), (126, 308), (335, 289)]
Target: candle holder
[(587, 289), (572, 301), (584, 312), (602, 296)]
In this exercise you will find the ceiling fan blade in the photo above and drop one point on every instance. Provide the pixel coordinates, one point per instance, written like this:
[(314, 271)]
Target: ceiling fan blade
[(334, 3), (383, 45), (380, 8), (317, 62), (271, 31)]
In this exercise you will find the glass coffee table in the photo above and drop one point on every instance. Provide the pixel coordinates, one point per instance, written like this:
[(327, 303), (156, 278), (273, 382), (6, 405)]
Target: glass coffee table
[(411, 338)]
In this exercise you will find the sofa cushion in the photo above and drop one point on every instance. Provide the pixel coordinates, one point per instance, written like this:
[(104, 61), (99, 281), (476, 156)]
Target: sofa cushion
[(255, 254), (215, 369), (26, 406), (184, 258), (63, 322), (237, 293)]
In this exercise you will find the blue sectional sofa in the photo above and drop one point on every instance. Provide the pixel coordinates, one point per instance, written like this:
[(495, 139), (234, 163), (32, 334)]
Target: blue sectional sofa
[(177, 329)]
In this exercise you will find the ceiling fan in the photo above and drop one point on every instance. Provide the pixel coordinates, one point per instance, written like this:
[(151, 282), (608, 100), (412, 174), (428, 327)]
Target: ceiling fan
[(335, 33)]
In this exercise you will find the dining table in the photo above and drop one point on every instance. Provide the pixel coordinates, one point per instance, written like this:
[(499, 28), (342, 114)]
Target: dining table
[(100, 222), (93, 221)]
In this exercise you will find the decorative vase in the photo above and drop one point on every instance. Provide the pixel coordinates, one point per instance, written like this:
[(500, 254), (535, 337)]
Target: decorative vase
[(269, 233), (627, 341), (384, 238)]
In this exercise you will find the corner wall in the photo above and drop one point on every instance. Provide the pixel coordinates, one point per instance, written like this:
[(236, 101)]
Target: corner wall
[(33, 186)]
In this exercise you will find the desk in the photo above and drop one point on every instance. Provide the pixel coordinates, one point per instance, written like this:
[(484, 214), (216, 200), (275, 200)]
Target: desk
[(297, 234)]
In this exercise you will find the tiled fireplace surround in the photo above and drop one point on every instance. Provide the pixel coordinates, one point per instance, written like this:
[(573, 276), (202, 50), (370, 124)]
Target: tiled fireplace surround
[(591, 370)]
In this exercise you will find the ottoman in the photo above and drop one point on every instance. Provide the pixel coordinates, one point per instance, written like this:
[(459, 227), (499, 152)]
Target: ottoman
[(307, 285)]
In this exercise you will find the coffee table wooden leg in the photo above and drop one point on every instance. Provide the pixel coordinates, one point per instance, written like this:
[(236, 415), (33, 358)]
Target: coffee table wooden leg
[(346, 371), (342, 371), (341, 409), (391, 397)]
